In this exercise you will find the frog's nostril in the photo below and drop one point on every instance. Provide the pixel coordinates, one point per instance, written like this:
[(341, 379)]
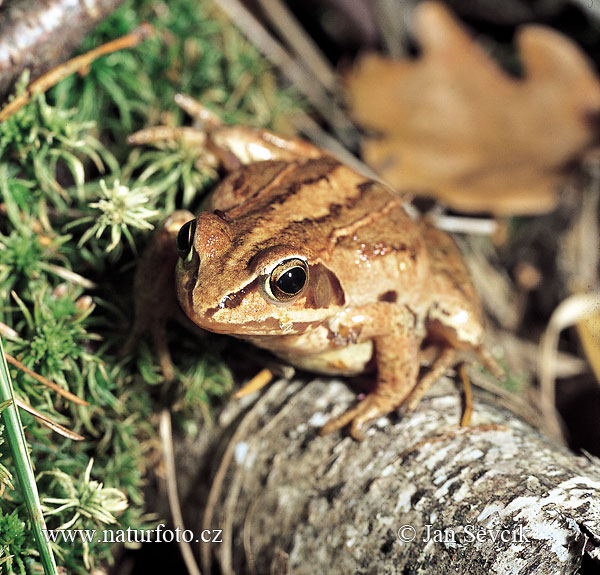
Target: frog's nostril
[(185, 240)]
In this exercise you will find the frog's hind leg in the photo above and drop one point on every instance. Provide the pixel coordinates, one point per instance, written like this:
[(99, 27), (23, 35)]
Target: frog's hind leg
[(226, 147), (465, 418), (445, 361), (235, 146)]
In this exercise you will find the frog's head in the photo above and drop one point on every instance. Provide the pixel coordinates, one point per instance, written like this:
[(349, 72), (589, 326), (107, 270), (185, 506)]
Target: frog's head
[(241, 282)]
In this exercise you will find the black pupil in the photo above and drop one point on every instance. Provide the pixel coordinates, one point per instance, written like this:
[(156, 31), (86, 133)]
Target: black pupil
[(292, 280), (185, 238)]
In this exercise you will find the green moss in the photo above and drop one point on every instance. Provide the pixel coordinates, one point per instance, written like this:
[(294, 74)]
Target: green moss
[(13, 543), (77, 199)]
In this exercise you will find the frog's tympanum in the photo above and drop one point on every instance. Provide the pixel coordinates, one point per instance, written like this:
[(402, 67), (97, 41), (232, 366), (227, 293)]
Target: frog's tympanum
[(302, 255)]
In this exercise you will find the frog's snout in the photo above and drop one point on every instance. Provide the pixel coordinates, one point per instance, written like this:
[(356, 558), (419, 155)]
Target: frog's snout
[(208, 236)]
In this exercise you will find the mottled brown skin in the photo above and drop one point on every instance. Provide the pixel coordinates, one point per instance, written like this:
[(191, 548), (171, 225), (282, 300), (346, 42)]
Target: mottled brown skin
[(379, 284)]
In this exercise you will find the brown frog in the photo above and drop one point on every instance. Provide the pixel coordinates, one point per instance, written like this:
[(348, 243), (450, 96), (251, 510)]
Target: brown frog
[(302, 255)]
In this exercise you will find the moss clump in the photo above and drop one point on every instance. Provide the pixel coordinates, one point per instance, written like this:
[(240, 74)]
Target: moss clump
[(77, 205)]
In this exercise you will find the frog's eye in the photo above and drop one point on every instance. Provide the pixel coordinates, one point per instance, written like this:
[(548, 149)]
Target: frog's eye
[(288, 279), (185, 241)]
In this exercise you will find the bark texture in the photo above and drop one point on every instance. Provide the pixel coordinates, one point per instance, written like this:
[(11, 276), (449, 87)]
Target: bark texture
[(289, 501), (40, 34)]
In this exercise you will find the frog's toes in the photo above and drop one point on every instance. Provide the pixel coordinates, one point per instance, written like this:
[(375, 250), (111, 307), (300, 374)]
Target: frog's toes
[(373, 406), (339, 422), (411, 404)]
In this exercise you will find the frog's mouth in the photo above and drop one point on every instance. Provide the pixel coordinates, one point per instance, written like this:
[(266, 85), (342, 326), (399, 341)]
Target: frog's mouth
[(258, 328), (244, 313), (243, 326)]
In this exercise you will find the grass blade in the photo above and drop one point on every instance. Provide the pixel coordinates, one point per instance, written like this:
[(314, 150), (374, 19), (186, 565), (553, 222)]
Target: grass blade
[(23, 468)]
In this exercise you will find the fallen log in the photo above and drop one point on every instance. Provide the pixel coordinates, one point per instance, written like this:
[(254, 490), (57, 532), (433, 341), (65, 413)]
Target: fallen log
[(418, 495)]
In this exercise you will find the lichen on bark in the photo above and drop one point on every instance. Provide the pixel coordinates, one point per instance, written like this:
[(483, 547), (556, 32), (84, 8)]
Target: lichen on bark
[(496, 497)]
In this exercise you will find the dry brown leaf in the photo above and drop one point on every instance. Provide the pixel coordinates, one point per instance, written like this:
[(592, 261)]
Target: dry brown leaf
[(454, 125)]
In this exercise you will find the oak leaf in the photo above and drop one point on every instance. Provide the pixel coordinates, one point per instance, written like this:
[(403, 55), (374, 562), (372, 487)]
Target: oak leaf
[(453, 124)]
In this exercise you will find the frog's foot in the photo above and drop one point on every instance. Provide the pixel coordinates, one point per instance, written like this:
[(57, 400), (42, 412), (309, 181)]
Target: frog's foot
[(371, 407), (205, 118), (226, 147), (234, 146)]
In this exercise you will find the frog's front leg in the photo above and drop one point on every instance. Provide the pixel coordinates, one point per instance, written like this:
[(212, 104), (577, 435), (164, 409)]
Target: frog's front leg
[(154, 291), (397, 358)]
